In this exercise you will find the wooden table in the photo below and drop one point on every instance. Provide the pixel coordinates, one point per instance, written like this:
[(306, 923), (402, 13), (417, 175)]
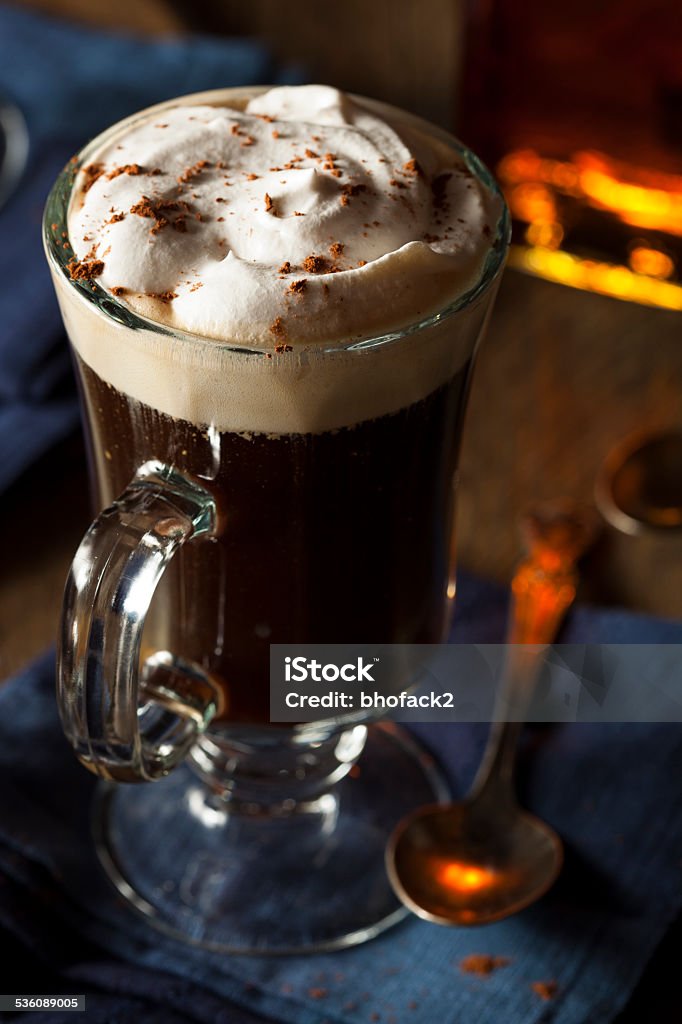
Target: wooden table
[(561, 377)]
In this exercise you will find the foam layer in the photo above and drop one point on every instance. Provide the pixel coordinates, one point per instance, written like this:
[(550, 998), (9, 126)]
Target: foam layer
[(295, 220)]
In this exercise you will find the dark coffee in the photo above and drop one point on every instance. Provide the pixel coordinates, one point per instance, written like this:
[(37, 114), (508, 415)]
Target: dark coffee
[(339, 536)]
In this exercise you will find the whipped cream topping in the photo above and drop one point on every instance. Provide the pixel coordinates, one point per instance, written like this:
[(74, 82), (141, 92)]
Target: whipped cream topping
[(281, 221), (298, 217)]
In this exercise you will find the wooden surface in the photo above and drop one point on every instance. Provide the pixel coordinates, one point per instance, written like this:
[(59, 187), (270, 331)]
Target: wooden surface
[(561, 377)]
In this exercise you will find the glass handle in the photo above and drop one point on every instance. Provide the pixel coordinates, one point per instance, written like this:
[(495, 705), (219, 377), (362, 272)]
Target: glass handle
[(129, 722)]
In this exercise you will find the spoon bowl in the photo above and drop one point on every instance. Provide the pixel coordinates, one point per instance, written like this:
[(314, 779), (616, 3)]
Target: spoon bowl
[(455, 865)]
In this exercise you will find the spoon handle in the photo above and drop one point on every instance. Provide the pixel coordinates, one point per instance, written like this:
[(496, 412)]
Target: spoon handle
[(543, 588)]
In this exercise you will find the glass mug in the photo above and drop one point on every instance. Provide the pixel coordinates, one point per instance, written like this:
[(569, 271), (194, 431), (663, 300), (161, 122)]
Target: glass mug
[(246, 537)]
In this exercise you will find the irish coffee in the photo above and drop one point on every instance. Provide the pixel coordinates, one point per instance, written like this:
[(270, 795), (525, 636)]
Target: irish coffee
[(271, 280), (274, 299)]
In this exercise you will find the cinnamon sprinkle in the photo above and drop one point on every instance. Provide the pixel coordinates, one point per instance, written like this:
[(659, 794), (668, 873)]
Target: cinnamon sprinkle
[(546, 990), (162, 296), (315, 264), (132, 169), (145, 208), (158, 210), (336, 249), (248, 141), (482, 964), (298, 287), (349, 190), (84, 270), (330, 166), (283, 348), (269, 205), (119, 290), (193, 171), (277, 327), (318, 993), (92, 172), (285, 268)]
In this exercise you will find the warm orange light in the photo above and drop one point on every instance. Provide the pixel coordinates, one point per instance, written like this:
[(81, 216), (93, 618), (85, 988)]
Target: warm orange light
[(635, 195), (593, 276), (548, 234), (532, 202), (633, 204), (646, 199), (519, 165), (525, 165), (467, 877), (651, 262)]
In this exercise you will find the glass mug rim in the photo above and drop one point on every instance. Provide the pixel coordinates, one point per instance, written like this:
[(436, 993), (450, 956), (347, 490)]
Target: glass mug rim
[(103, 303)]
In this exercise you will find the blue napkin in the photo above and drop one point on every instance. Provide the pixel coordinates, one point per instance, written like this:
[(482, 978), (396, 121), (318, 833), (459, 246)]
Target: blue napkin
[(611, 791), (70, 83)]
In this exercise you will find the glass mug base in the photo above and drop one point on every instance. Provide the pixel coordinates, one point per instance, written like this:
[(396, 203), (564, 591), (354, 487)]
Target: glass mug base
[(310, 878)]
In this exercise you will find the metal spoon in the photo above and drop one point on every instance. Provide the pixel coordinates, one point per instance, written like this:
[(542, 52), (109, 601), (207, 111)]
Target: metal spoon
[(484, 858)]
